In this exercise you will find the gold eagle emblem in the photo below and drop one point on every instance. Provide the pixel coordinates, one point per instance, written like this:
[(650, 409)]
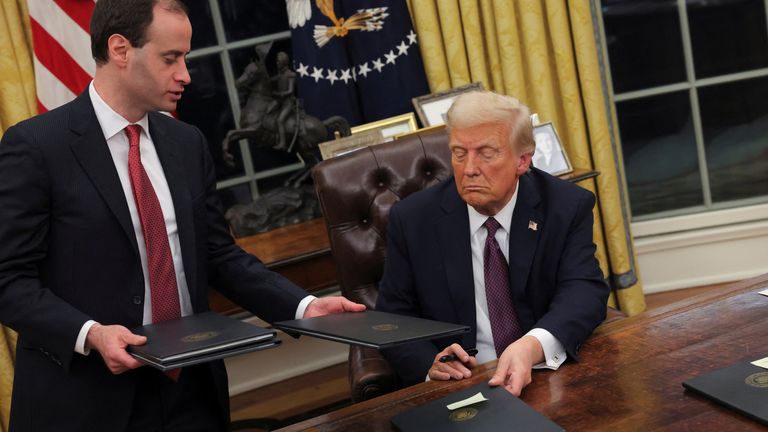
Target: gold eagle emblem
[(365, 19)]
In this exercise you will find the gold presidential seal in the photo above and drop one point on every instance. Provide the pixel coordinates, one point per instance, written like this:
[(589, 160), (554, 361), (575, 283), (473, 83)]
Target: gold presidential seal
[(385, 327), (199, 337), (759, 380), (462, 414)]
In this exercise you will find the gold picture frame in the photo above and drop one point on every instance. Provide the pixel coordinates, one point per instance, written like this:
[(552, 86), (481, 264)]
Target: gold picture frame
[(550, 156), (431, 108), (390, 127), (340, 146)]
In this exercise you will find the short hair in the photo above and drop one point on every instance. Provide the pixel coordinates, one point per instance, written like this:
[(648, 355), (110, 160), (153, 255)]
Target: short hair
[(484, 107), (129, 18)]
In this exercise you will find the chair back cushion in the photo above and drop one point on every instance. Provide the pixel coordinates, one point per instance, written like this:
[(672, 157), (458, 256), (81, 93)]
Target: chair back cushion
[(357, 190)]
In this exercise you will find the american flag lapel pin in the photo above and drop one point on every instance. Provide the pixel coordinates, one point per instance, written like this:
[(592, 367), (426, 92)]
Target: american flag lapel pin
[(533, 226)]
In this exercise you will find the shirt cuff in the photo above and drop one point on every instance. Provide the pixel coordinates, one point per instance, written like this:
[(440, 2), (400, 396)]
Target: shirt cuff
[(554, 352), (303, 306), (80, 342)]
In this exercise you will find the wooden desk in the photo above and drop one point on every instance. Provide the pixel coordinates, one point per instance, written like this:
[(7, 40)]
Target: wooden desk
[(630, 375)]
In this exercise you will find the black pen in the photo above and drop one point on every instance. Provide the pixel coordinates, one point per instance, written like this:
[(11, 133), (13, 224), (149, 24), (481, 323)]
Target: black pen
[(452, 357)]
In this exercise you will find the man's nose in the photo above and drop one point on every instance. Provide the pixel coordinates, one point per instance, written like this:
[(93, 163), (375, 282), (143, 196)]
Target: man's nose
[(471, 166), (182, 75)]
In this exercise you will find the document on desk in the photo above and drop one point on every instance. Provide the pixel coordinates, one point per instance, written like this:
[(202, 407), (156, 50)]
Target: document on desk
[(742, 387), (372, 329), (197, 339), (764, 292), (494, 410)]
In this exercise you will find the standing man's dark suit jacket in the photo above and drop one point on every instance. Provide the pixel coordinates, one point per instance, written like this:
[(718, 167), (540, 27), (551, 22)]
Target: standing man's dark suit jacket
[(555, 280), (68, 253)]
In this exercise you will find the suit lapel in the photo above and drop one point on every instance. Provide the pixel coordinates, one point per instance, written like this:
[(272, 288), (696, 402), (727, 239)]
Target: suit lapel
[(524, 235), (453, 235), (168, 151), (91, 151)]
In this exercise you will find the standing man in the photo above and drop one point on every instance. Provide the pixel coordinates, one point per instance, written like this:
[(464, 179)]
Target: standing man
[(108, 220), (501, 248)]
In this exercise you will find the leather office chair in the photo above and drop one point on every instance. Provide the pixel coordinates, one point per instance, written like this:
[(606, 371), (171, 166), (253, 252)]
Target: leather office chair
[(356, 192)]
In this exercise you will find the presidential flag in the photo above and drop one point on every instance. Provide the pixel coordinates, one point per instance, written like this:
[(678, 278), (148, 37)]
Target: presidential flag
[(355, 58)]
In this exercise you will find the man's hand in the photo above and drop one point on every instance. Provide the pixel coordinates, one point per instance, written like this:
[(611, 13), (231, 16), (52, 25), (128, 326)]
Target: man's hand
[(513, 370), (456, 369), (110, 341), (331, 305)]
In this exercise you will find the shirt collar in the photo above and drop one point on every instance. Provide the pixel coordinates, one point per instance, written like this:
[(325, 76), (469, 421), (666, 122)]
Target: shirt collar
[(503, 217), (111, 122)]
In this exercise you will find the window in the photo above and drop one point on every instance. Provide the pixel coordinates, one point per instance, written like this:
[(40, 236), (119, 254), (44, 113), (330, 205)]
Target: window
[(690, 83), (225, 34)]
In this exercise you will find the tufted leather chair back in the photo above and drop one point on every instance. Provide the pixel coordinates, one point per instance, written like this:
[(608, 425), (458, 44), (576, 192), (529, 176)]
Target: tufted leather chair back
[(356, 192)]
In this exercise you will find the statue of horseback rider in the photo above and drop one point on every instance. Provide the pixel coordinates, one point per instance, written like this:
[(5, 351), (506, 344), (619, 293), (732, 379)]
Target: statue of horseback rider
[(285, 101)]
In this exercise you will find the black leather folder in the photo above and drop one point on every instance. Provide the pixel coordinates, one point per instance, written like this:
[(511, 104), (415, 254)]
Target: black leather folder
[(742, 387), (501, 412), (370, 328), (199, 338)]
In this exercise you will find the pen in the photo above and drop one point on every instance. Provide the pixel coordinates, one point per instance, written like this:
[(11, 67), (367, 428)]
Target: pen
[(452, 357)]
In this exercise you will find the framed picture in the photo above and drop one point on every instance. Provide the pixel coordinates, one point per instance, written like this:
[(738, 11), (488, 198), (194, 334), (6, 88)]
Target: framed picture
[(390, 127), (432, 108), (549, 155), (340, 146)]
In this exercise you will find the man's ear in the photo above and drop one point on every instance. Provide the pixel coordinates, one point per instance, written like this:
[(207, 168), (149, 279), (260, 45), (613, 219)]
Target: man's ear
[(524, 163), (117, 49)]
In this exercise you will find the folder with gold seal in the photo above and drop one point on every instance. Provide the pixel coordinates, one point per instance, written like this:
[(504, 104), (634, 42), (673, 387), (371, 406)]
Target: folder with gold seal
[(197, 339), (478, 408), (742, 387), (373, 329)]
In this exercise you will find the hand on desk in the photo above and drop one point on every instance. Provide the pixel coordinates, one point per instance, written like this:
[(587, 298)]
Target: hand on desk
[(331, 305), (456, 369), (513, 370), (110, 341)]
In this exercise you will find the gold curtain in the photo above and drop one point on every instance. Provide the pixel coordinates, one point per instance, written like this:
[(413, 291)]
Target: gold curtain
[(17, 102), (544, 52)]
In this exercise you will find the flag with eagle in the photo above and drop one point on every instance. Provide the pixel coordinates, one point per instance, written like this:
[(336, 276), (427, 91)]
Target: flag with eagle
[(355, 58)]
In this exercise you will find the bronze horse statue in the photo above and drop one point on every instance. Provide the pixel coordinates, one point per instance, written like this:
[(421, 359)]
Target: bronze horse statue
[(261, 113)]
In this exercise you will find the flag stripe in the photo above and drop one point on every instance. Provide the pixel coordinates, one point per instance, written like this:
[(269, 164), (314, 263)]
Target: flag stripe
[(61, 27), (50, 91), (54, 57), (80, 11)]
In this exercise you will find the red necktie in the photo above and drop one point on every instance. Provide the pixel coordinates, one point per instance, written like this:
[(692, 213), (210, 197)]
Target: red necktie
[(504, 323), (162, 276)]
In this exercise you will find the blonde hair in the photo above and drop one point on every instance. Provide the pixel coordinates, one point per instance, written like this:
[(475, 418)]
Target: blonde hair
[(484, 107)]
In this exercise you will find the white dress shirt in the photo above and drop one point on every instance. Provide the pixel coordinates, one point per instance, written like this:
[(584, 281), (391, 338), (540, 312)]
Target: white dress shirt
[(554, 353), (112, 125)]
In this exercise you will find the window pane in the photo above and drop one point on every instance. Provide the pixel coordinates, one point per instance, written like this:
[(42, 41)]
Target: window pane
[(245, 19), (644, 43), (659, 151), (203, 34), (735, 122), (206, 105), (728, 36)]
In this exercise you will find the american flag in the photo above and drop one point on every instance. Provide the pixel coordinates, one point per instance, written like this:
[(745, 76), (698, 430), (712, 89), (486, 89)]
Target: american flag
[(62, 49)]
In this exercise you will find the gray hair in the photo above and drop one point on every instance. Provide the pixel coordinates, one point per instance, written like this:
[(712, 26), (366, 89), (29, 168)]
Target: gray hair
[(483, 107)]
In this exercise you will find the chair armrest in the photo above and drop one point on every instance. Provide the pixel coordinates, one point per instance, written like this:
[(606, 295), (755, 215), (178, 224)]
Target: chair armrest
[(370, 375)]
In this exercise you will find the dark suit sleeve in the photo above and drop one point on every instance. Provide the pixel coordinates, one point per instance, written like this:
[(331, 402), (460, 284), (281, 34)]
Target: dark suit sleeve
[(397, 295), (241, 277), (579, 303), (47, 322)]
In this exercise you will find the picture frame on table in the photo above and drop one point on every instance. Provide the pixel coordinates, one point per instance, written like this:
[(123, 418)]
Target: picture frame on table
[(432, 108), (550, 156), (390, 127), (341, 146)]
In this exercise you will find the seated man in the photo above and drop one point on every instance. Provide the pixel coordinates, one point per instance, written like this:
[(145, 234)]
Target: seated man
[(500, 247)]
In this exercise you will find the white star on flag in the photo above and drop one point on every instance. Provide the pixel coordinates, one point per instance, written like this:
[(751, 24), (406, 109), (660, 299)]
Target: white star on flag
[(391, 56), (303, 69), (332, 76), (402, 49), (377, 64), (345, 75), (364, 69), (412, 37), (317, 74)]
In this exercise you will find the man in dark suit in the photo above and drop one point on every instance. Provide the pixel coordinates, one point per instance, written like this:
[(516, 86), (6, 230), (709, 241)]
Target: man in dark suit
[(109, 220), (501, 247)]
